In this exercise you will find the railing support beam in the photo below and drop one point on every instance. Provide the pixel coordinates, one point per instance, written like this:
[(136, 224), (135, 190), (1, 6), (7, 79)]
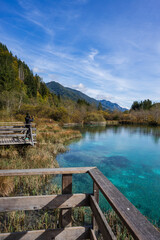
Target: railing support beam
[(96, 196), (65, 216)]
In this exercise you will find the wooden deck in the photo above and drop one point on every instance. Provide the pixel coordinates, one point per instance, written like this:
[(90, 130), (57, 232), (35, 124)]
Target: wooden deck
[(13, 133), (137, 224)]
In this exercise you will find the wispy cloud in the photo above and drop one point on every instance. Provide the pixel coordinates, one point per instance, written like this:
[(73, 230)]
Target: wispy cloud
[(92, 54)]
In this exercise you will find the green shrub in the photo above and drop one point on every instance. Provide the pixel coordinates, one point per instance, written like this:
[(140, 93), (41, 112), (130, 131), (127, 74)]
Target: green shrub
[(94, 117), (60, 114)]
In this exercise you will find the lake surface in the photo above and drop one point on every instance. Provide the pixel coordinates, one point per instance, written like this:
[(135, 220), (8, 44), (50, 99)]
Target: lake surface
[(128, 156)]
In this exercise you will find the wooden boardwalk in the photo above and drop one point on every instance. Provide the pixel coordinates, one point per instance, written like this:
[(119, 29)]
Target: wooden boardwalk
[(13, 133), (137, 224)]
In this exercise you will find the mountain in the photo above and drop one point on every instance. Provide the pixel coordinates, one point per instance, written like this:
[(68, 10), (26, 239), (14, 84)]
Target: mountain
[(74, 95), (113, 106), (70, 93)]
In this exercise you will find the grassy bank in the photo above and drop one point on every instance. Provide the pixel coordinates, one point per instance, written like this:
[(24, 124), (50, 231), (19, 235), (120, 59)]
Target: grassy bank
[(51, 140)]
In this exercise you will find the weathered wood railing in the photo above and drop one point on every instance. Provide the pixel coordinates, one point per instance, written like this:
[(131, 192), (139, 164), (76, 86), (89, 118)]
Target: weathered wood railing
[(16, 133), (136, 223)]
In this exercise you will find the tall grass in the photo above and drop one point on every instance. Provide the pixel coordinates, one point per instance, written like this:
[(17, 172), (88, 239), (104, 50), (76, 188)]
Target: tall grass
[(51, 140)]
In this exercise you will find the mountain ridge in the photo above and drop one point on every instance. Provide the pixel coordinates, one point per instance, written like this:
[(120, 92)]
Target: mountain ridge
[(74, 95)]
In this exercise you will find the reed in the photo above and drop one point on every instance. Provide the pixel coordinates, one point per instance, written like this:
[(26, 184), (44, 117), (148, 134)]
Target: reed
[(51, 140)]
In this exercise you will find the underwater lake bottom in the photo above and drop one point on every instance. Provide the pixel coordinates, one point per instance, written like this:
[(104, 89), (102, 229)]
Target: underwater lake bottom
[(129, 156)]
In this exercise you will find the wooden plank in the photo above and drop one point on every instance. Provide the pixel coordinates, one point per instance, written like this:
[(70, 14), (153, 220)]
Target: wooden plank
[(138, 225), (13, 129), (67, 183), (31, 137), (73, 233), (104, 227), (11, 123), (42, 171), (65, 216), (8, 132), (15, 143), (92, 235), (16, 127), (13, 135), (96, 196), (43, 202)]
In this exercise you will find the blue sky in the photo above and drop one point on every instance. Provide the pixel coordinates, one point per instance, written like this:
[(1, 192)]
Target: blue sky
[(108, 49)]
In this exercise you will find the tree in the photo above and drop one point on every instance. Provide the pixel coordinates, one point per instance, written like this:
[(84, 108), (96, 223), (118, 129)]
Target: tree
[(136, 105), (99, 106), (145, 105)]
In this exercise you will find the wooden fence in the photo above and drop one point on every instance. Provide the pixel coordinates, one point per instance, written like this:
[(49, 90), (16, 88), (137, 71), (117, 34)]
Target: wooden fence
[(137, 224), (17, 133)]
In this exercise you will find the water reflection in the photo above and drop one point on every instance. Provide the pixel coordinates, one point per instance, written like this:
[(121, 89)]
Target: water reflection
[(93, 131)]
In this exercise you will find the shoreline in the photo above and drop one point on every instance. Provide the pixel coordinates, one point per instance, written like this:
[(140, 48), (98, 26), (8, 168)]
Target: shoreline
[(109, 123)]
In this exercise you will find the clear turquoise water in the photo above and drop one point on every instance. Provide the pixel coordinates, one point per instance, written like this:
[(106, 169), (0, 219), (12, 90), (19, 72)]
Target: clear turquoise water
[(128, 156)]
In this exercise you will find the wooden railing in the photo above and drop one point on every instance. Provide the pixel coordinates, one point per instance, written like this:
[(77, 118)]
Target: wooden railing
[(137, 224), (16, 133)]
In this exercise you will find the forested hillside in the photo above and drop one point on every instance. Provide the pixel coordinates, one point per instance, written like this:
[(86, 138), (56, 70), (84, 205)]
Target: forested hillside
[(18, 84)]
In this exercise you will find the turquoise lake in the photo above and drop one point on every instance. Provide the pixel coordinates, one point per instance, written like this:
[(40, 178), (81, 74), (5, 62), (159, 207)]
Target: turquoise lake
[(128, 156)]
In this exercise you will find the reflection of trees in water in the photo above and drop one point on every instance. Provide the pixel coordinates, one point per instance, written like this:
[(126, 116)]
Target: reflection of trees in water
[(141, 130), (94, 131), (145, 130)]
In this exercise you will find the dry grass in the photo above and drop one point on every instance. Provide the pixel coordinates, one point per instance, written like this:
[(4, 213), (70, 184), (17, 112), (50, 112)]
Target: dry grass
[(117, 226), (51, 140)]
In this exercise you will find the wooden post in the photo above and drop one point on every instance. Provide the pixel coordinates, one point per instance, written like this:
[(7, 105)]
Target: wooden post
[(96, 195), (65, 216), (31, 136)]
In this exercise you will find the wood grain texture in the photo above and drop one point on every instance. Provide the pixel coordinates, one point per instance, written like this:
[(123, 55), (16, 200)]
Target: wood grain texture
[(73, 233), (12, 142), (13, 135), (92, 235), (96, 196), (104, 227), (43, 171), (138, 225), (65, 218), (12, 129), (43, 202)]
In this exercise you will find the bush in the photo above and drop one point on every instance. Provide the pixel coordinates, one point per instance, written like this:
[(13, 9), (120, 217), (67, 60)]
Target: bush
[(106, 115), (36, 111), (61, 114), (77, 117), (94, 117)]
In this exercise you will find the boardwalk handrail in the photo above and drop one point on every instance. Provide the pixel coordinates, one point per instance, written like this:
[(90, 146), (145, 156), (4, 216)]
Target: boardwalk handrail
[(43, 171), (136, 223)]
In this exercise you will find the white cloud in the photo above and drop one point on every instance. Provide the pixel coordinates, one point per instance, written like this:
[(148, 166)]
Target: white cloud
[(80, 87), (38, 70), (92, 54)]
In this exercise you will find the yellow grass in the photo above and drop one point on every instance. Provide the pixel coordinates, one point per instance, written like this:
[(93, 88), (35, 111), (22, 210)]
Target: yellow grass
[(51, 140)]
